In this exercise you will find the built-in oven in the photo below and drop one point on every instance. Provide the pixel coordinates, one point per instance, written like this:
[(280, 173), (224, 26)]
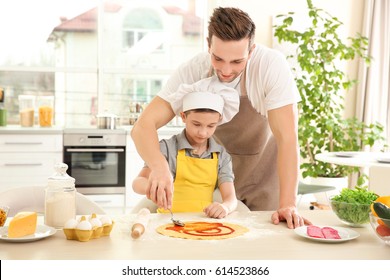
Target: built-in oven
[(96, 158)]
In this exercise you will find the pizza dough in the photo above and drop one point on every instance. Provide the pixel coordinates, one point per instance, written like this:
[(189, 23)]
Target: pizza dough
[(203, 230)]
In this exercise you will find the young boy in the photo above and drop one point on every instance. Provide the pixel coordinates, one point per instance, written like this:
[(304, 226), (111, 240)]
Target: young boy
[(198, 164)]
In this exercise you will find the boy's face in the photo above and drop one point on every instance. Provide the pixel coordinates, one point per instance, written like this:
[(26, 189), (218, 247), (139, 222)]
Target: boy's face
[(200, 126), (229, 58)]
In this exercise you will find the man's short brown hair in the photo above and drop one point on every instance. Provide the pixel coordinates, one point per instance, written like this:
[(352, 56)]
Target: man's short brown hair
[(231, 24)]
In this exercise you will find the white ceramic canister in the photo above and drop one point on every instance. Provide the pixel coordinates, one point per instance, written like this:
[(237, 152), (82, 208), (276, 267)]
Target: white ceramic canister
[(60, 197)]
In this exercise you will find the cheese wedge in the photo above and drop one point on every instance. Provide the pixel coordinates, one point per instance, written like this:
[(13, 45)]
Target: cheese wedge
[(24, 223)]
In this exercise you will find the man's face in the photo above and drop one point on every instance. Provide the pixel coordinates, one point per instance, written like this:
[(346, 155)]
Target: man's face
[(228, 58)]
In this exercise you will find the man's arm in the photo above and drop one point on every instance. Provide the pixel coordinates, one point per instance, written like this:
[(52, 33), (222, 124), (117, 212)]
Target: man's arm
[(144, 135), (284, 125), (284, 122)]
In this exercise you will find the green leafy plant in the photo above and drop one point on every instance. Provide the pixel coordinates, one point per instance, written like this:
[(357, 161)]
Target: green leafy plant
[(322, 84), (358, 195)]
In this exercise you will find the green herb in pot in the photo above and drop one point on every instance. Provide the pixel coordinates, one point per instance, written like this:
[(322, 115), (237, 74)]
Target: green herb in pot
[(353, 205)]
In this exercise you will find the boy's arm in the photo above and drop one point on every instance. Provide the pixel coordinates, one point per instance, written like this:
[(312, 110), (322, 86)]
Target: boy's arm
[(228, 194), (226, 188), (228, 205)]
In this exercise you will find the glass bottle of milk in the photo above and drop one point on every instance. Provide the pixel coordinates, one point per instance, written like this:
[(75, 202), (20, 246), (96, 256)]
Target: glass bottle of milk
[(60, 197)]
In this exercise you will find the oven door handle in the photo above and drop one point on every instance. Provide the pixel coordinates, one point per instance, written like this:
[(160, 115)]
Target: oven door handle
[(94, 150)]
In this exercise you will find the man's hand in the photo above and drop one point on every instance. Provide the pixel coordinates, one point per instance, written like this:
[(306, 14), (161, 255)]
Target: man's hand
[(291, 216), (160, 188)]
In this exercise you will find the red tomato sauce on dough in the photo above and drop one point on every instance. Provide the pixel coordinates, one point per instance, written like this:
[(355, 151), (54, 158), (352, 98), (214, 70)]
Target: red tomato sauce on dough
[(203, 229)]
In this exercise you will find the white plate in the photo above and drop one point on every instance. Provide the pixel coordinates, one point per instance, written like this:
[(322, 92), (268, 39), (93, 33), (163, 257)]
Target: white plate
[(345, 154), (345, 234), (41, 232)]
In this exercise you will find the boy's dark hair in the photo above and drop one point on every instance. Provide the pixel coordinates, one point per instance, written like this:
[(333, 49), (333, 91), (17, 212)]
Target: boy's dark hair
[(231, 24), (200, 110)]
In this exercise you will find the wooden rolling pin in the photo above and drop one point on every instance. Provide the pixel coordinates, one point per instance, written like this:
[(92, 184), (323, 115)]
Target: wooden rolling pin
[(140, 223)]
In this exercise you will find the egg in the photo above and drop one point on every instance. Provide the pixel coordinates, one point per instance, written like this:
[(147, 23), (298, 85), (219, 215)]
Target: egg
[(106, 220), (84, 225), (93, 215), (71, 223), (95, 222)]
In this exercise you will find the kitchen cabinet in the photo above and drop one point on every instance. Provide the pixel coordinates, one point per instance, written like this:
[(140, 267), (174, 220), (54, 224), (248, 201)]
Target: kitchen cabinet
[(108, 201), (111, 203), (27, 159)]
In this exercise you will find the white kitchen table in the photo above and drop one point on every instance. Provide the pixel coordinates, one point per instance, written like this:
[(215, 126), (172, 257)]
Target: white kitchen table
[(378, 165), (264, 241)]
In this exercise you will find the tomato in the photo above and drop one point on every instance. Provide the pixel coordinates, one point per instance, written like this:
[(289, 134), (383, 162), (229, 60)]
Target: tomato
[(383, 230)]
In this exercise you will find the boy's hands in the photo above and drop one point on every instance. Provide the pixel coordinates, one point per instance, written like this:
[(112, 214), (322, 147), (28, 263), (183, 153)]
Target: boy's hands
[(216, 210)]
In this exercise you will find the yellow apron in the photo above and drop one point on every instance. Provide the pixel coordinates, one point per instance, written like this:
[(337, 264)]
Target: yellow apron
[(194, 183)]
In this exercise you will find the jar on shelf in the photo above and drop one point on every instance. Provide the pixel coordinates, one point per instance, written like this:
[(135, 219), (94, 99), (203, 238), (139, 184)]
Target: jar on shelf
[(3, 117), (26, 110), (3, 111), (60, 197), (46, 110)]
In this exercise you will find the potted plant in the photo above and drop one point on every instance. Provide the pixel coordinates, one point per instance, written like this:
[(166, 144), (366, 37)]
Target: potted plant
[(322, 83)]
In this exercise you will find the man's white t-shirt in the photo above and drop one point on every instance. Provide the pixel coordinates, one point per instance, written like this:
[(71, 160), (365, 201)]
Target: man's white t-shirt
[(269, 81)]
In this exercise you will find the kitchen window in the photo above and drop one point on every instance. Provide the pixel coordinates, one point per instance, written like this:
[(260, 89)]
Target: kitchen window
[(141, 24), (131, 37), (94, 55), (142, 89)]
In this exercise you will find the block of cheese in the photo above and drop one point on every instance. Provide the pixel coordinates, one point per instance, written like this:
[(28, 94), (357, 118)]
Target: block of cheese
[(24, 223)]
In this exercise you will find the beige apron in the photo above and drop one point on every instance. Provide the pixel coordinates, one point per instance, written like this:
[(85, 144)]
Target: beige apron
[(250, 142)]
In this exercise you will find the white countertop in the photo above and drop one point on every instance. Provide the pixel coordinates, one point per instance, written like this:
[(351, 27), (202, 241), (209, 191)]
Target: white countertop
[(17, 129), (264, 241)]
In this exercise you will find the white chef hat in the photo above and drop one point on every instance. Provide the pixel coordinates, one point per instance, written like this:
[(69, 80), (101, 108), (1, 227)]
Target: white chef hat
[(203, 100), (208, 93)]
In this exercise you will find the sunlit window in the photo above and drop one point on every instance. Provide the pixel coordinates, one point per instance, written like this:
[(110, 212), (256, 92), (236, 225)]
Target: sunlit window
[(93, 55), (141, 23)]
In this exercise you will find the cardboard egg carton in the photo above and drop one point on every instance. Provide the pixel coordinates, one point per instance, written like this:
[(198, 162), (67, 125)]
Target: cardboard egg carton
[(84, 235)]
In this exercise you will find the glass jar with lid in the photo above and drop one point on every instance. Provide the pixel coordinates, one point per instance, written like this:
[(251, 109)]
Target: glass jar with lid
[(26, 110), (46, 110), (60, 197)]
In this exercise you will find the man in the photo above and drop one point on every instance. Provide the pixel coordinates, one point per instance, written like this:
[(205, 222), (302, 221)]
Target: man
[(261, 138)]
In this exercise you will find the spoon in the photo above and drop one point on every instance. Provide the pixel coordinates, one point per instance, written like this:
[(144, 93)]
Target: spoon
[(176, 222)]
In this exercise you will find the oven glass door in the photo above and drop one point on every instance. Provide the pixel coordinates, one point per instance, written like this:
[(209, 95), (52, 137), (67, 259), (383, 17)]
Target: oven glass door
[(96, 167)]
